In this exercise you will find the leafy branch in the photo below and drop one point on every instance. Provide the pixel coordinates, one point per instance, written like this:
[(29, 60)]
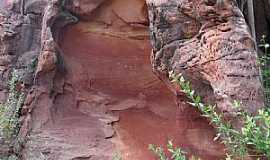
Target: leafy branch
[(254, 136)]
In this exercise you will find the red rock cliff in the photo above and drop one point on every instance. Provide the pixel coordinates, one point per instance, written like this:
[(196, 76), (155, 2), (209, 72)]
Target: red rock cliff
[(93, 93)]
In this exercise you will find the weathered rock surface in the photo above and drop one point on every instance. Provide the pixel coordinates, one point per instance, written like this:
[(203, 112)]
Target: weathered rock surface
[(91, 91), (210, 46), (88, 77), (112, 57)]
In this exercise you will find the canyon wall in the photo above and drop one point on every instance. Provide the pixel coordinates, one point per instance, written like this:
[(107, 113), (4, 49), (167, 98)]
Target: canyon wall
[(91, 93)]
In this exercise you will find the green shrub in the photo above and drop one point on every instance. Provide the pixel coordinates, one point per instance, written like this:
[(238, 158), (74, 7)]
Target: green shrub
[(9, 111), (253, 138), (176, 153)]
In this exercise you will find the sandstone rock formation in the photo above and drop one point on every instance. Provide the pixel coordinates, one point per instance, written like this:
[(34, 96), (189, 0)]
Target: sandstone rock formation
[(211, 46), (90, 89)]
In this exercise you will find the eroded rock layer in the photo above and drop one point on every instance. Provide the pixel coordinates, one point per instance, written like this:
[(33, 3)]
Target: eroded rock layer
[(210, 45), (90, 88), (110, 61)]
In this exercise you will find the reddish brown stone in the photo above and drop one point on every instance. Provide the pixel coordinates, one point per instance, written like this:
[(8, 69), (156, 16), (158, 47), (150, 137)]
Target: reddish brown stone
[(210, 47), (93, 92)]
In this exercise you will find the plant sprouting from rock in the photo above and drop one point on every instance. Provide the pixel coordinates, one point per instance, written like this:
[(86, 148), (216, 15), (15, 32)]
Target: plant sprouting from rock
[(176, 153), (253, 139), (9, 111)]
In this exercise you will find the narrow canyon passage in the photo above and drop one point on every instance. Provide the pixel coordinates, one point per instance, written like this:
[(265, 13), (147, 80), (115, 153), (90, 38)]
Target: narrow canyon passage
[(109, 85)]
